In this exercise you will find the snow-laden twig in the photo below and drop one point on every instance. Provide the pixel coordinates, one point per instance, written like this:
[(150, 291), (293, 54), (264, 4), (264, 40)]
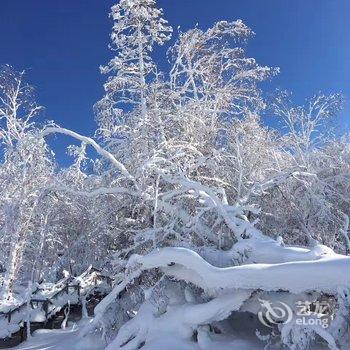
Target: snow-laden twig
[(96, 192)]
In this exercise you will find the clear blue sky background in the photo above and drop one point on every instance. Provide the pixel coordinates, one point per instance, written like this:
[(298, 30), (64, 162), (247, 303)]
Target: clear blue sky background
[(62, 43)]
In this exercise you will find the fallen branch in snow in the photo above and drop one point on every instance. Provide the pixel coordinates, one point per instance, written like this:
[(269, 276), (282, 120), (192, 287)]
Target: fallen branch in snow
[(323, 275), (269, 251), (321, 271)]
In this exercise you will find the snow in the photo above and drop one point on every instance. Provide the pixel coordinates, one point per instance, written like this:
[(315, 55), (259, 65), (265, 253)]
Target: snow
[(8, 305), (56, 295), (325, 274), (61, 340), (231, 287), (170, 342), (68, 340), (181, 203)]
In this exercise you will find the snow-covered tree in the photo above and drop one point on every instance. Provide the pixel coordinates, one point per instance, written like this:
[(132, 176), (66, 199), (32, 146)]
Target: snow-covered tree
[(194, 206), (214, 164), (212, 66), (25, 170), (306, 126), (138, 26)]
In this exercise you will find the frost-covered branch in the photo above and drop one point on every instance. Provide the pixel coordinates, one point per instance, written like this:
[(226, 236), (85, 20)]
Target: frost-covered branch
[(89, 141)]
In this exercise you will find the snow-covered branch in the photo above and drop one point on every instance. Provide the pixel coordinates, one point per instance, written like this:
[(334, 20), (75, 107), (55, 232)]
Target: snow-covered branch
[(89, 141), (323, 275)]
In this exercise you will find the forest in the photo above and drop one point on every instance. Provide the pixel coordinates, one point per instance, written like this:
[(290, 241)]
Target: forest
[(214, 227)]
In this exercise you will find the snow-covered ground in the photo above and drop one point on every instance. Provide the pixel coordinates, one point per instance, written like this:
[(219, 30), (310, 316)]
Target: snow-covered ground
[(61, 339), (69, 340)]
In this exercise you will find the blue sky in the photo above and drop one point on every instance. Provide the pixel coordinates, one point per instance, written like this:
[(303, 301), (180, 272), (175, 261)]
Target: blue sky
[(62, 43)]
